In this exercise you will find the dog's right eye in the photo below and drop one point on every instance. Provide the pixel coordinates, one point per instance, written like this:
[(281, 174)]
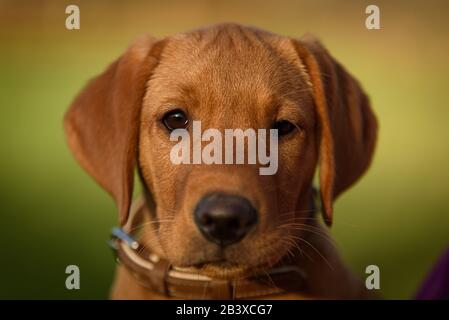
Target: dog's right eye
[(175, 119), (284, 127)]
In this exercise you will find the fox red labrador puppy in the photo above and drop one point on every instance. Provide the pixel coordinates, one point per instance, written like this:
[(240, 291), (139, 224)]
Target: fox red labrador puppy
[(225, 231)]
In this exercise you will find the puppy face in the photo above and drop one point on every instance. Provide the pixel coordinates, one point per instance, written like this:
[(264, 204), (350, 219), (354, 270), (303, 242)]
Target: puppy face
[(228, 79), (224, 220)]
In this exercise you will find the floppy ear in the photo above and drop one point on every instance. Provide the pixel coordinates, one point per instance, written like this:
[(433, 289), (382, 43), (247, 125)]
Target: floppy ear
[(347, 126), (102, 123)]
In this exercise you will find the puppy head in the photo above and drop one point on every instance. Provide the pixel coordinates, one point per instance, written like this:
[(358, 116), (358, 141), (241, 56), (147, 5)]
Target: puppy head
[(227, 77)]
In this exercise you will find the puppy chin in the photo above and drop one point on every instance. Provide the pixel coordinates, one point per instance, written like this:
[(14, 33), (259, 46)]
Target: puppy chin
[(227, 265), (222, 270), (225, 268)]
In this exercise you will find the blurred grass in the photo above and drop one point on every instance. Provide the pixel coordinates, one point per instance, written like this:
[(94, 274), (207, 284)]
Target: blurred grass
[(53, 215)]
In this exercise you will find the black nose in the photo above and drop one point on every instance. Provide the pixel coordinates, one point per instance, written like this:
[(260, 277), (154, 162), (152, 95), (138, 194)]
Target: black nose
[(224, 219)]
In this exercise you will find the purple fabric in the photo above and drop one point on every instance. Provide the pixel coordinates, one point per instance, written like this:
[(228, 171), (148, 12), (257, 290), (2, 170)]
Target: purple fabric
[(436, 285)]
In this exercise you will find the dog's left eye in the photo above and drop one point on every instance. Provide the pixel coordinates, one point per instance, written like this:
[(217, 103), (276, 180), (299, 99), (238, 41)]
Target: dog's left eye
[(176, 119), (284, 127)]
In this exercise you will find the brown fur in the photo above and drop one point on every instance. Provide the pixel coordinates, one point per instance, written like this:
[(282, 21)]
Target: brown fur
[(229, 76)]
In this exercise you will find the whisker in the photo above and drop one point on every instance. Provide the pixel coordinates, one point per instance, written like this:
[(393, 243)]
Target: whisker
[(291, 242), (344, 223), (293, 225), (298, 211), (316, 250), (323, 236), (141, 225), (296, 224)]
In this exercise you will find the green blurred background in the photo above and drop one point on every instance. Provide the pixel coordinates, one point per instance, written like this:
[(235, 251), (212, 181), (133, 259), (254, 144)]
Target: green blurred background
[(53, 214)]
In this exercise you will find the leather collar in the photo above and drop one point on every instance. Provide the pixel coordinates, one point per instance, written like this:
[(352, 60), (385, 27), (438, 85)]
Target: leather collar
[(158, 275)]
